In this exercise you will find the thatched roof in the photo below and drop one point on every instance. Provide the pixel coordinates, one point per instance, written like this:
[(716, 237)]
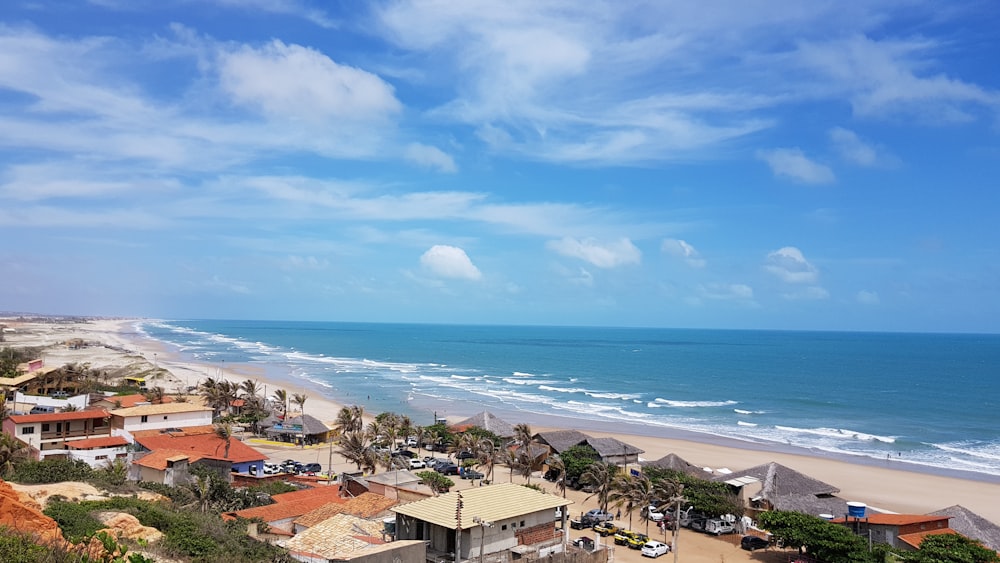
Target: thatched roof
[(488, 421), (779, 481), (972, 525), (811, 504), (310, 425), (561, 440), (676, 463)]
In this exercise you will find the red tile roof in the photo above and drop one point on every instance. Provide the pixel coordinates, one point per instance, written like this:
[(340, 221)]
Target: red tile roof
[(897, 519), (916, 538), (291, 506), (126, 401), (206, 445), (158, 459), (100, 442), (59, 416)]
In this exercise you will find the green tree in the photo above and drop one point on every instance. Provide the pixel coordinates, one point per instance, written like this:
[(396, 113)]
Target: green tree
[(436, 481), (600, 477), (577, 459), (951, 548), (822, 540)]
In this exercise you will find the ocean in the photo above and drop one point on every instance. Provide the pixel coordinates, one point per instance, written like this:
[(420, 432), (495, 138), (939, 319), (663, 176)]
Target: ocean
[(929, 401)]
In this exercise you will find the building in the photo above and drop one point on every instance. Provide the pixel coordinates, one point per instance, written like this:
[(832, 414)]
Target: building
[(200, 445), (611, 450), (478, 522), (344, 537), (83, 435), (299, 429), (773, 486), (366, 505), (901, 531), (160, 417), (971, 525), (113, 402), (489, 422), (287, 507)]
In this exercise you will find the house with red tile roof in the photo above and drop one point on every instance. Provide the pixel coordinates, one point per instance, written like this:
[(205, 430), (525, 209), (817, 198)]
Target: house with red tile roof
[(160, 417), (201, 446), (126, 401), (85, 435), (903, 531), (287, 507)]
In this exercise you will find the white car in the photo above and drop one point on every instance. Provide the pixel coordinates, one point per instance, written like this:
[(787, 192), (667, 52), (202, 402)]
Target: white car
[(417, 464), (653, 514), (654, 549), (271, 469)]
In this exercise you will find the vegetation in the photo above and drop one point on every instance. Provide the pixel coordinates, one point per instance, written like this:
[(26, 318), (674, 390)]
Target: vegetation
[(951, 548), (708, 497), (52, 471), (822, 540), (577, 459), (436, 481)]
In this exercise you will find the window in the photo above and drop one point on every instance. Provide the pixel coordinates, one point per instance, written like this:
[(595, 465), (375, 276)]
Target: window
[(144, 418), (504, 527), (101, 457), (164, 417), (45, 427), (522, 523), (28, 430)]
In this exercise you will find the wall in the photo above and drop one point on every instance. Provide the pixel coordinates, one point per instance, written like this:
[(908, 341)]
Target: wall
[(79, 401), (171, 420)]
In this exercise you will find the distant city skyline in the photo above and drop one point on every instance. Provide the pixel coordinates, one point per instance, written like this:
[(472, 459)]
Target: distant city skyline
[(758, 165)]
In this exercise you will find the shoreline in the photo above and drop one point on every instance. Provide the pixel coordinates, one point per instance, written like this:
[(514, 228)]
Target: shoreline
[(894, 485)]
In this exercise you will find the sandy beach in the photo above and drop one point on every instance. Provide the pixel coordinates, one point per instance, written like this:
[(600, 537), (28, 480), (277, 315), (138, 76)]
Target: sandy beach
[(889, 487)]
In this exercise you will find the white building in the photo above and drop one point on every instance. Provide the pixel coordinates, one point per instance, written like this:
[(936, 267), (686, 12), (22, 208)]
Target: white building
[(161, 417), (83, 435)]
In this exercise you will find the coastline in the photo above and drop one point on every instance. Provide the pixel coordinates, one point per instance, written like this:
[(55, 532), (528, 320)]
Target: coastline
[(893, 485)]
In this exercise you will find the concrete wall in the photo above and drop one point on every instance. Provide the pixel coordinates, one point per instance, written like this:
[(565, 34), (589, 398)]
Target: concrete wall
[(171, 420)]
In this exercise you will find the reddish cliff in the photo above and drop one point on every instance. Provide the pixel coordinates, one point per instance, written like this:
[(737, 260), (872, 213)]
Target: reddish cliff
[(27, 517)]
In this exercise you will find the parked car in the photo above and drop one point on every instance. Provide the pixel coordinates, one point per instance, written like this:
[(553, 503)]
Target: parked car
[(446, 468), (654, 549), (417, 464), (653, 514), (471, 474), (584, 543), (411, 442), (623, 536), (311, 468), (606, 528), (597, 515), (719, 526), (697, 524), (271, 468), (750, 543), (465, 454), (637, 541), (404, 453)]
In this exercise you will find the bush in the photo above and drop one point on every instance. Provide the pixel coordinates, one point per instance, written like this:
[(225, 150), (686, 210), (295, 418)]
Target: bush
[(16, 546), (52, 471)]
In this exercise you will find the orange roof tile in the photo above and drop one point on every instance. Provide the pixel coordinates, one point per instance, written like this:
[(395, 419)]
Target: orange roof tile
[(329, 492), (186, 431), (915, 539), (285, 510), (158, 459), (100, 442), (365, 505), (897, 519), (58, 416), (127, 401), (207, 445)]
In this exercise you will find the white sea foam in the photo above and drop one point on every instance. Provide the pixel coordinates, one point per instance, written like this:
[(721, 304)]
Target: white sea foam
[(750, 424), (964, 449), (839, 433), (659, 402), (744, 411)]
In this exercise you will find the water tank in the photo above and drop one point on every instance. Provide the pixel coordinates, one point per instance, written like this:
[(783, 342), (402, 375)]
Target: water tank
[(856, 509), (826, 516), (389, 526)]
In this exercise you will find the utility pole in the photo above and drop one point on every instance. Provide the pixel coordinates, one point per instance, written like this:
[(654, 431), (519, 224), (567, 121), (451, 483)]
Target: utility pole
[(458, 528), (678, 499)]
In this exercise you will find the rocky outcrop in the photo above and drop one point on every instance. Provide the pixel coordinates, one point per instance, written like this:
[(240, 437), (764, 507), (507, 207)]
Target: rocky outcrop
[(17, 515), (123, 525)]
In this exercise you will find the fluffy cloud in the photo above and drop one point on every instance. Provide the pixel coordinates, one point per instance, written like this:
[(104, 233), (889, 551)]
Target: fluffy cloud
[(430, 157), (294, 81), (609, 255), (793, 164), (856, 151), (681, 249), (791, 266), (449, 262)]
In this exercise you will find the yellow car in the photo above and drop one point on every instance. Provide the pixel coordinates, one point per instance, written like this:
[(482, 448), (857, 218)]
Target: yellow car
[(606, 528), (637, 541), (623, 536)]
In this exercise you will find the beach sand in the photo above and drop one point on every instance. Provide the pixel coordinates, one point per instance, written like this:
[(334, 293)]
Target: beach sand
[(888, 485)]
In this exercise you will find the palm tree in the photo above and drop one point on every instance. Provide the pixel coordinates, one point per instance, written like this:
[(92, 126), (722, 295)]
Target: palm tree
[(201, 486), (224, 430), (631, 492), (281, 397), (250, 388), (355, 448), (155, 395), (348, 421), (12, 452), (300, 400), (557, 465), (600, 476), (486, 455)]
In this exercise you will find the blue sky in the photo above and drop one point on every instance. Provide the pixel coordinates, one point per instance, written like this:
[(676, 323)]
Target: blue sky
[(777, 165)]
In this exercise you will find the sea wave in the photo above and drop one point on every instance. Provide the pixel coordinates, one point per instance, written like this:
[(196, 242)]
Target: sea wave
[(744, 411), (660, 402), (839, 433)]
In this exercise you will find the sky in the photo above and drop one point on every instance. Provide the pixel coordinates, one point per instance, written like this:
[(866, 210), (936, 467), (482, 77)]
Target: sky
[(820, 165)]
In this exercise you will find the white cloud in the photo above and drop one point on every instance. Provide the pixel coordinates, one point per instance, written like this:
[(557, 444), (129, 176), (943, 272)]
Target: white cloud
[(289, 7), (866, 297), (791, 266), (793, 164), (449, 262), (856, 151), (726, 291), (430, 157), (681, 249), (295, 81), (609, 255)]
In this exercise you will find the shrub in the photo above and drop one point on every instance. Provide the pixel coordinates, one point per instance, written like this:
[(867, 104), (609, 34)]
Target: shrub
[(52, 471)]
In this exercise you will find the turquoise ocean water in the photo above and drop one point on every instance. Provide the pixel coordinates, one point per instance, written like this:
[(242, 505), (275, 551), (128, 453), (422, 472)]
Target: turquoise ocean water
[(931, 401)]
